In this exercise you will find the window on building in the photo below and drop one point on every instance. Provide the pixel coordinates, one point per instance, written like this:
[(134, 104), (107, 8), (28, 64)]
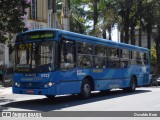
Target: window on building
[(33, 9), (50, 4)]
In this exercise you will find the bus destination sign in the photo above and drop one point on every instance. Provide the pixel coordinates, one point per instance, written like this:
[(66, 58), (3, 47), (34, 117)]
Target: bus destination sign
[(41, 36), (36, 36)]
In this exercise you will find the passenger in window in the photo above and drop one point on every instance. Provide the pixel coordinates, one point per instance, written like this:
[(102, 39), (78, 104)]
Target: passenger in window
[(69, 57)]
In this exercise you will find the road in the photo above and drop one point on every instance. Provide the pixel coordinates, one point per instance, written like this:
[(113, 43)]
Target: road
[(143, 99)]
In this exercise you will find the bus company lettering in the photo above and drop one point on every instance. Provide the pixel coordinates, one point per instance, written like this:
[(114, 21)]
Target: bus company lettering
[(31, 78), (27, 79), (80, 72)]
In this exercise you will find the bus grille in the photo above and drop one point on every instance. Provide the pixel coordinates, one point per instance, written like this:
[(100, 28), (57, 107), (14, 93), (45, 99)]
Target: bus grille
[(32, 85)]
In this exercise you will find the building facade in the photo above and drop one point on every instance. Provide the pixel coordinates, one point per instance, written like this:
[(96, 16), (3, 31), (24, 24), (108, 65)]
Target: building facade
[(38, 16), (144, 39)]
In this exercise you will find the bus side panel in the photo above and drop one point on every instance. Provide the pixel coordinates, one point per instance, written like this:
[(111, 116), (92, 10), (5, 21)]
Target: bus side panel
[(142, 74), (68, 88), (70, 81), (110, 78)]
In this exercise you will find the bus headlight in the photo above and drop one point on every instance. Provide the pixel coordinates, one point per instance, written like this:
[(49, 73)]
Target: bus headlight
[(17, 84), (49, 84)]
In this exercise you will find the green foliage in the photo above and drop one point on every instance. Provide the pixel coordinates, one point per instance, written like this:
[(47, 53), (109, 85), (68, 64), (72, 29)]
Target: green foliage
[(78, 16), (153, 56), (11, 20)]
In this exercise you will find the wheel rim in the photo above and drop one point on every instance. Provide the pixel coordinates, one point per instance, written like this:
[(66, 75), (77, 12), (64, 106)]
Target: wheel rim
[(86, 89), (133, 85)]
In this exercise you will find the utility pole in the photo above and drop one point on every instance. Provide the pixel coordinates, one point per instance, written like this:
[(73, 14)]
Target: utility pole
[(55, 22), (65, 15)]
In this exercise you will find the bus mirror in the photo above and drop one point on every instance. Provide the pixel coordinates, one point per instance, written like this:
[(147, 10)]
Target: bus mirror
[(33, 63)]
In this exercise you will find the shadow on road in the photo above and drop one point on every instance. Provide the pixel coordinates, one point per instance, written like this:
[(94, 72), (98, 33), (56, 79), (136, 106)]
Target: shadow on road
[(59, 103)]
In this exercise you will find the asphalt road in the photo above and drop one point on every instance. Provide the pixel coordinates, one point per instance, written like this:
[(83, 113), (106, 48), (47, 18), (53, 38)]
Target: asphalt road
[(143, 99)]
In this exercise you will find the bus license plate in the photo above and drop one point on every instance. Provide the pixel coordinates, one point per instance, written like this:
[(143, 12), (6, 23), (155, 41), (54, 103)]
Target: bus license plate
[(30, 91)]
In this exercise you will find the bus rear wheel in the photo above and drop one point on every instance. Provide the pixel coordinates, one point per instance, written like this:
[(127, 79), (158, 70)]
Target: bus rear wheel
[(132, 86), (86, 89)]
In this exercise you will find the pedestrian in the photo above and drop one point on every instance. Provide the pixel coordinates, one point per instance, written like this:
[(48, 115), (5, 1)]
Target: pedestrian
[(2, 74)]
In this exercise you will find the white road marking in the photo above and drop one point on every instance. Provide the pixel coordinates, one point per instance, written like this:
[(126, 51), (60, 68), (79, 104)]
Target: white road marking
[(157, 105)]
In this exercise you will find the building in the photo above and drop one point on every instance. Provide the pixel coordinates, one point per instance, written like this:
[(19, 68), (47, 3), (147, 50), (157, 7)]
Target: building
[(144, 39), (39, 16)]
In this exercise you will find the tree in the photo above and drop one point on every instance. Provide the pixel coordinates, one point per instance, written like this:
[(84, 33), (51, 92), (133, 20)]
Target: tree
[(95, 14), (78, 16), (153, 56), (11, 20), (108, 17), (157, 36)]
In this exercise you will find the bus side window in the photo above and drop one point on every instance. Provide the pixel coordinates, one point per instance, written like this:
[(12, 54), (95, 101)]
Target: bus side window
[(85, 51), (100, 56), (124, 58), (85, 48), (113, 61), (84, 61), (133, 57), (145, 58), (67, 55), (99, 62)]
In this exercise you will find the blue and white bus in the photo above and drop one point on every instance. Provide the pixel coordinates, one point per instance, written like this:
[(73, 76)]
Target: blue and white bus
[(54, 62)]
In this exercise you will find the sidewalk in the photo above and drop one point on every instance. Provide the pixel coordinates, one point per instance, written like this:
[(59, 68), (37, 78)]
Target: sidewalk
[(5, 90)]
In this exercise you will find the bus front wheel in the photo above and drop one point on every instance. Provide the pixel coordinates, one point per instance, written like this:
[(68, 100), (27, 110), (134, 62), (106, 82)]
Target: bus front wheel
[(86, 89), (50, 97)]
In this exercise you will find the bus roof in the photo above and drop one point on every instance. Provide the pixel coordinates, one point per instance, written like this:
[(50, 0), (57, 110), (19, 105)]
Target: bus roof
[(96, 39)]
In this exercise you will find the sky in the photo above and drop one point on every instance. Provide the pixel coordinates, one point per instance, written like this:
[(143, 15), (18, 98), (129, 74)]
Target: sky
[(115, 34)]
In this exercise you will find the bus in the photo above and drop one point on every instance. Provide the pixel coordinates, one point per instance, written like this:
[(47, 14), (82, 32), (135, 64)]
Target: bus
[(54, 62)]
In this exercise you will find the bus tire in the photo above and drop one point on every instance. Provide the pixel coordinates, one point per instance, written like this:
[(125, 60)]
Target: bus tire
[(50, 97), (105, 91), (132, 86), (86, 89)]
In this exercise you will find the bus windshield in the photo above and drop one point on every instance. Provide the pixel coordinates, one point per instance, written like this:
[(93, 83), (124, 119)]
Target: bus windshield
[(36, 56)]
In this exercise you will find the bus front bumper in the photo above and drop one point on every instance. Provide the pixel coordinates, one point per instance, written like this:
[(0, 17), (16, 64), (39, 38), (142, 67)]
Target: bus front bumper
[(47, 91)]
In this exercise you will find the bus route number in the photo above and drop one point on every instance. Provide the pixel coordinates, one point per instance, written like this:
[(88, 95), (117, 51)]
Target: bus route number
[(25, 46)]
